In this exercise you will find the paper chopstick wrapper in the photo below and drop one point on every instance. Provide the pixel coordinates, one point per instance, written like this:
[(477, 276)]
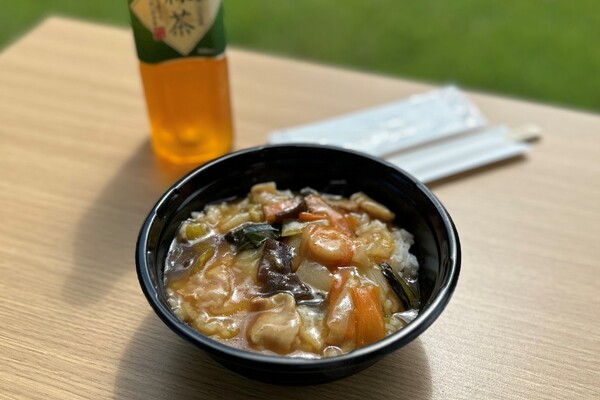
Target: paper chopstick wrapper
[(392, 127), (431, 135)]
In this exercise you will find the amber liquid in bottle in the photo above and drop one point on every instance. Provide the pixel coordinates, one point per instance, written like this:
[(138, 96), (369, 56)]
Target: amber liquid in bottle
[(181, 47), (189, 108)]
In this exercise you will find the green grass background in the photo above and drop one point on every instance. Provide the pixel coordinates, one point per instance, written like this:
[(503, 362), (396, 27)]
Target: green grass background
[(544, 50)]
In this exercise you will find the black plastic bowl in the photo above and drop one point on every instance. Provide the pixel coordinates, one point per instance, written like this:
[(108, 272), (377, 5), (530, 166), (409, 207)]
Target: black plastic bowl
[(327, 169)]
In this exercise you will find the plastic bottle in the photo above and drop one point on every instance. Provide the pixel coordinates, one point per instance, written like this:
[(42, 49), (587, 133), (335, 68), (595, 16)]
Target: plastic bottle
[(181, 48)]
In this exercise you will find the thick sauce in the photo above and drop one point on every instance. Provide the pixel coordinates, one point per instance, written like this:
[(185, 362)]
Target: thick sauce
[(297, 274)]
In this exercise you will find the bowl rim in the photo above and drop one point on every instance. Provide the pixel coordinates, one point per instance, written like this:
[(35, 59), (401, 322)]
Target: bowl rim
[(383, 346)]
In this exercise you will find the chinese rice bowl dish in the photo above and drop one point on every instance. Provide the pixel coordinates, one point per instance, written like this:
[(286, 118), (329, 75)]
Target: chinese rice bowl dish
[(301, 274)]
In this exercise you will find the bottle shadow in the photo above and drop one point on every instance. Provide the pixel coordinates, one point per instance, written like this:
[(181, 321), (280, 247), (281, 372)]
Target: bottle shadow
[(158, 364), (104, 245)]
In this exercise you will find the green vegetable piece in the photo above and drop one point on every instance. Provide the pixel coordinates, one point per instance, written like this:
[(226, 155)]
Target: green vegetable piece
[(202, 260), (251, 235), (400, 287), (195, 230), (292, 227)]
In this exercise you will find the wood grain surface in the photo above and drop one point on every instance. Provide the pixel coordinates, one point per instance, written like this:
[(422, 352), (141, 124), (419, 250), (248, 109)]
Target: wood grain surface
[(77, 178)]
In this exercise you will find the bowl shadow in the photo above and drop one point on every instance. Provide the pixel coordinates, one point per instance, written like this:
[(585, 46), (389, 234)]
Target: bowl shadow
[(158, 364), (104, 245)]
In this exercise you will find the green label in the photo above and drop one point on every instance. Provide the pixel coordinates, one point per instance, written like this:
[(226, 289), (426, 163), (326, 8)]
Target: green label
[(170, 29)]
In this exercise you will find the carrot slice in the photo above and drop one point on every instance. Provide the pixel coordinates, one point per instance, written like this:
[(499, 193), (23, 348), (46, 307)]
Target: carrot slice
[(369, 316), (317, 205), (352, 222), (309, 217)]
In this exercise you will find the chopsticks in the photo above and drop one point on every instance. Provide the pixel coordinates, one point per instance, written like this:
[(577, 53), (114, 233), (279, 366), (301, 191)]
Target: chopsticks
[(439, 160)]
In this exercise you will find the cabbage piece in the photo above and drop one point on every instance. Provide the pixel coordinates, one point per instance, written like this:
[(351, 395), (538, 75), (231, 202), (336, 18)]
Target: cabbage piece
[(277, 324)]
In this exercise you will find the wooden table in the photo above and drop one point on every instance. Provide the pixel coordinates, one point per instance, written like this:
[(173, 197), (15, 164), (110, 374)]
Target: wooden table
[(77, 178)]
